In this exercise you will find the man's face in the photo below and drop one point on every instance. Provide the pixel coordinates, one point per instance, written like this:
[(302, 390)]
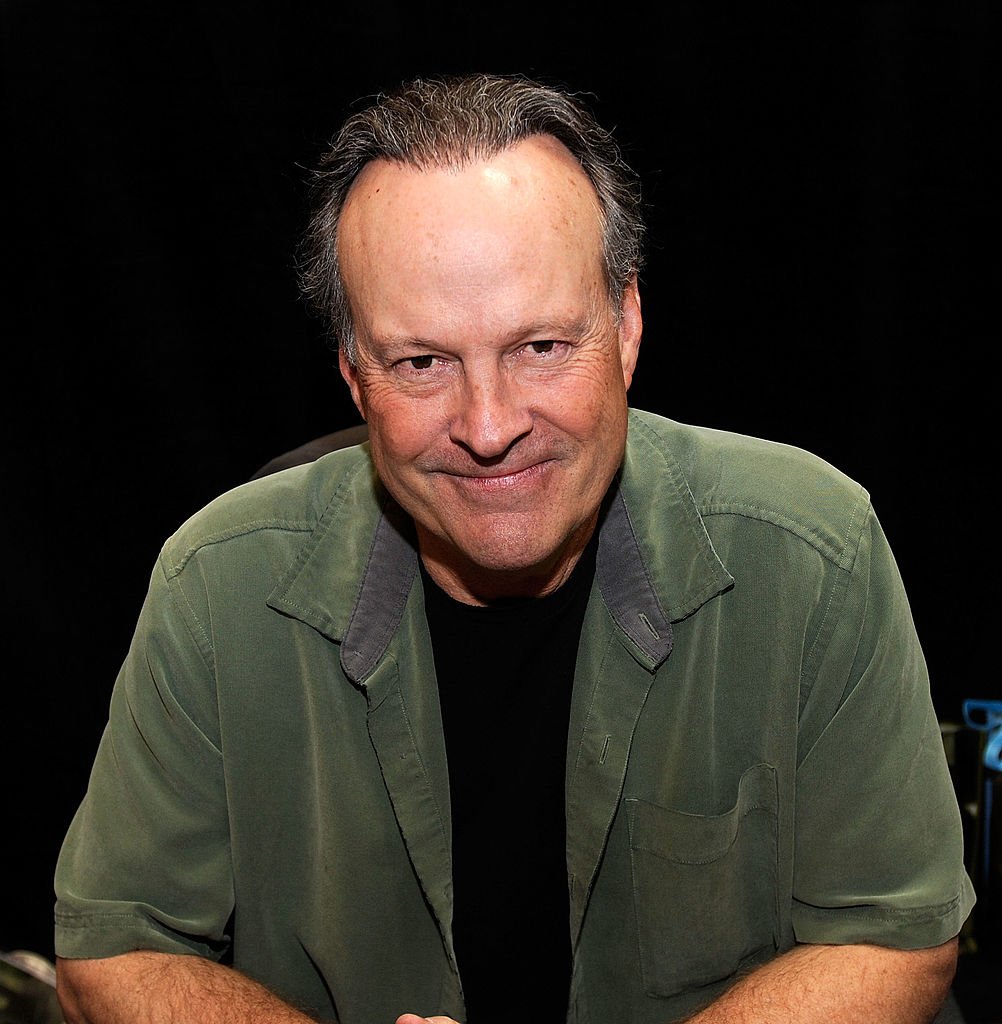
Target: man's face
[(491, 367)]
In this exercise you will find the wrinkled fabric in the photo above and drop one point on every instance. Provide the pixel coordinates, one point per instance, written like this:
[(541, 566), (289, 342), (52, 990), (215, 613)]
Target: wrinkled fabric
[(753, 757)]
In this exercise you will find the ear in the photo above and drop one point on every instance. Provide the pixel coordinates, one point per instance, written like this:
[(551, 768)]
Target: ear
[(631, 327), (350, 374)]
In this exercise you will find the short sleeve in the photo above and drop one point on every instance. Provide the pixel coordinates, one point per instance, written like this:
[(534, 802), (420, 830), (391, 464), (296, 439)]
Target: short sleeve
[(145, 863), (878, 846)]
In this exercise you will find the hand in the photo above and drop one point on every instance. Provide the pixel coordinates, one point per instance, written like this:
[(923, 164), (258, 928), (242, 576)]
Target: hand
[(413, 1018)]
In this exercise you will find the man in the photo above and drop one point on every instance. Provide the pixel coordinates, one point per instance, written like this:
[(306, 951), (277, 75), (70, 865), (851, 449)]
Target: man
[(584, 707)]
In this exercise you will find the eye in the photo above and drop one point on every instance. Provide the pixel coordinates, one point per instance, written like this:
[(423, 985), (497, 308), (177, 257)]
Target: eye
[(415, 364), (423, 368), (545, 350)]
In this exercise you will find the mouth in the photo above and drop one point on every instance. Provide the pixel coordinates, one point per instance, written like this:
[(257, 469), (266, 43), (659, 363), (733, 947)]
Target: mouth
[(499, 479)]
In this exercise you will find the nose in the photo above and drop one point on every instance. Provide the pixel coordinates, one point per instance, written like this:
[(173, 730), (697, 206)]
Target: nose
[(491, 414)]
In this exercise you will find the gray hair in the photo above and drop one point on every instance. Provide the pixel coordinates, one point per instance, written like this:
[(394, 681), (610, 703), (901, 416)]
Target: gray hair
[(450, 122)]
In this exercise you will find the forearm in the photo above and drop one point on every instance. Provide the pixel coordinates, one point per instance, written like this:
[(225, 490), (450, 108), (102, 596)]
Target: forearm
[(841, 984), (160, 988)]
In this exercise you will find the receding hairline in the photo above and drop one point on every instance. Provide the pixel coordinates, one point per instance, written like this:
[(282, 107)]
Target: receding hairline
[(552, 148), (462, 159)]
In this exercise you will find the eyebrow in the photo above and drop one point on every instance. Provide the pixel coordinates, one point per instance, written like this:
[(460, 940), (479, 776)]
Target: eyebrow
[(576, 326)]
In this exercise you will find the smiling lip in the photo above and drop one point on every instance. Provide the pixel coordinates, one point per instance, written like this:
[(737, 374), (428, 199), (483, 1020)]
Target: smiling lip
[(492, 481)]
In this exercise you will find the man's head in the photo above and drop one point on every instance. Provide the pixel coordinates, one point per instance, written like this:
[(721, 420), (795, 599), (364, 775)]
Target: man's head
[(491, 343)]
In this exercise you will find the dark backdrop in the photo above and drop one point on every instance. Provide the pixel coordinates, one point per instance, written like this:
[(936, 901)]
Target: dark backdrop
[(822, 201)]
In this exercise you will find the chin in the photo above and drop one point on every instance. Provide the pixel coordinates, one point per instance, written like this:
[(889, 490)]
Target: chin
[(518, 548)]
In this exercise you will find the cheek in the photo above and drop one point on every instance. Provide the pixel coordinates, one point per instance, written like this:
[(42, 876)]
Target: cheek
[(587, 403), (400, 431)]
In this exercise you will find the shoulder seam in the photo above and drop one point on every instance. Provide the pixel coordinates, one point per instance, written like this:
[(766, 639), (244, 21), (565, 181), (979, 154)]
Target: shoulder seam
[(836, 555), (174, 567)]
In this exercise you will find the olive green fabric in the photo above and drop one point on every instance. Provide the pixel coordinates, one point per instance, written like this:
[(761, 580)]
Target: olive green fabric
[(753, 757)]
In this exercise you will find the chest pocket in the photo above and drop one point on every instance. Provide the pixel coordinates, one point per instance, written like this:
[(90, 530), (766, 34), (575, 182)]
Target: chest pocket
[(705, 886)]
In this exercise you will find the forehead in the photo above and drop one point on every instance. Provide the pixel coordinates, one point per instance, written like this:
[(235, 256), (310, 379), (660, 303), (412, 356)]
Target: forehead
[(531, 195)]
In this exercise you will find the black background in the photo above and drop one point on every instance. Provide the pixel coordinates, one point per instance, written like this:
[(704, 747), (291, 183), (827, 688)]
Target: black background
[(822, 189)]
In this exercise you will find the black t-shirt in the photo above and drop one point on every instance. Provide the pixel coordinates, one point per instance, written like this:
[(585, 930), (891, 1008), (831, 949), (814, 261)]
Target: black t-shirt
[(505, 675)]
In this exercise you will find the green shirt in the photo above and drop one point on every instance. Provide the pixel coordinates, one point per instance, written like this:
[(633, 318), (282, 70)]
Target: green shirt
[(753, 756)]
